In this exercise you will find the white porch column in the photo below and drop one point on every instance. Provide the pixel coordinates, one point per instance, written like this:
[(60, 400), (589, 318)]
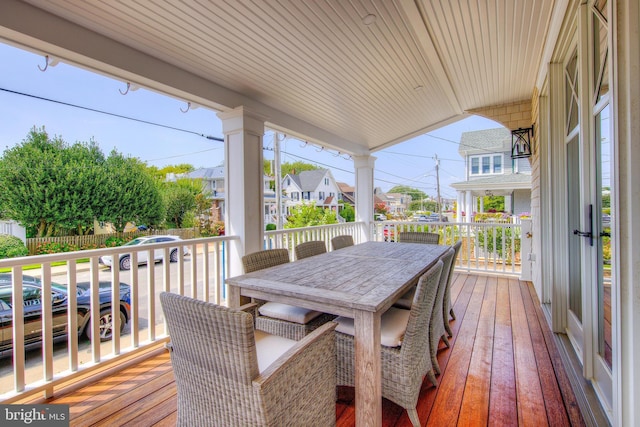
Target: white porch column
[(243, 173), (364, 191), (459, 205), (468, 206), (508, 204), (481, 204)]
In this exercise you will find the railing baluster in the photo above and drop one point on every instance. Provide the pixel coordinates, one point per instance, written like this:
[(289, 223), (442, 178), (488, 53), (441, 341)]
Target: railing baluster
[(47, 327), (135, 309), (72, 318), (94, 314)]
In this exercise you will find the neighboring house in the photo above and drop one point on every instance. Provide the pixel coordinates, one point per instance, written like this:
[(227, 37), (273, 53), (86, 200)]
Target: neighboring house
[(213, 184), (316, 185), (12, 228), (490, 171), (396, 203), (347, 193)]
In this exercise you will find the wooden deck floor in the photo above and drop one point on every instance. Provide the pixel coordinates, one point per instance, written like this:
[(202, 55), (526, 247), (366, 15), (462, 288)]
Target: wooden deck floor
[(502, 369)]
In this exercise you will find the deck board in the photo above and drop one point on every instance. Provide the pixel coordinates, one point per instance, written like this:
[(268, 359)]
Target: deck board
[(502, 369)]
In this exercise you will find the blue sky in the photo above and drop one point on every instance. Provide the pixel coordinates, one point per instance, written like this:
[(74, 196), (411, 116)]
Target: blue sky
[(410, 163)]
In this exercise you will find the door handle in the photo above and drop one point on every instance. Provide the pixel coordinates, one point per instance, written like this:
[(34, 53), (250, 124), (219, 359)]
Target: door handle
[(582, 233), (588, 234)]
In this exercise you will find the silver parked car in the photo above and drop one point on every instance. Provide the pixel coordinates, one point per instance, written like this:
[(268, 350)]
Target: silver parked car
[(158, 254)]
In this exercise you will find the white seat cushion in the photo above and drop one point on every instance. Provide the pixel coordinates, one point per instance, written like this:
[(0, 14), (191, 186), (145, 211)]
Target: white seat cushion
[(270, 347), (288, 312), (393, 325)]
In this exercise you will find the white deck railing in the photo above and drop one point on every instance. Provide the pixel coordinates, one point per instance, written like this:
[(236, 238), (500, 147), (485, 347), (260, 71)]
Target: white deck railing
[(200, 275), (290, 237), (486, 247)]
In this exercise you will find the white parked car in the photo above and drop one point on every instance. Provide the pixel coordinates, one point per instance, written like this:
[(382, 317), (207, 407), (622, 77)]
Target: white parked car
[(158, 254)]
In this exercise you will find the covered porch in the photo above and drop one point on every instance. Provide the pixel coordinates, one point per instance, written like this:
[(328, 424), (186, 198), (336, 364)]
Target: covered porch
[(503, 368), (358, 77)]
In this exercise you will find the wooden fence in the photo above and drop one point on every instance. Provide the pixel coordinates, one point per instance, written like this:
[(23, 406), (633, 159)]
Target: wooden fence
[(93, 241)]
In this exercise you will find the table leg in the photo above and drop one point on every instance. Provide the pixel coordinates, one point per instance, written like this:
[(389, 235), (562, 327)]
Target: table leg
[(368, 375), (233, 296)]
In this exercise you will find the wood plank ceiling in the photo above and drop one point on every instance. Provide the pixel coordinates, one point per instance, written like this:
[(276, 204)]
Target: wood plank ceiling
[(323, 65)]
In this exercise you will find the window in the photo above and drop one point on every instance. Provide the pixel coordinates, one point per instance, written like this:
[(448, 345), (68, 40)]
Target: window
[(497, 164), (475, 166), (321, 195), (295, 195), (486, 165), (326, 181)]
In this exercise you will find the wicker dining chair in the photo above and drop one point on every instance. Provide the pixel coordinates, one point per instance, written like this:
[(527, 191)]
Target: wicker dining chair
[(418, 237), (342, 241), (276, 318), (448, 308), (311, 248), (437, 330), (229, 374), (407, 362)]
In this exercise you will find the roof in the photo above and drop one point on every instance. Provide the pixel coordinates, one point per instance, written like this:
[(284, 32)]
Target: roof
[(207, 173), (353, 76), (512, 181), (345, 188), (309, 180), (485, 141)]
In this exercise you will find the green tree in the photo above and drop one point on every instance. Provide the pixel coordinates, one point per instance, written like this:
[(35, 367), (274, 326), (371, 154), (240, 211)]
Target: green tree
[(307, 215), (184, 198), (348, 212), (132, 193), (160, 174), (48, 185), (416, 195), (492, 204), (55, 188), (296, 167)]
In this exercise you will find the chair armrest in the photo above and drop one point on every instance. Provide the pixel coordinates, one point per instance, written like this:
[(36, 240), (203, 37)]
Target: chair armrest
[(301, 384)]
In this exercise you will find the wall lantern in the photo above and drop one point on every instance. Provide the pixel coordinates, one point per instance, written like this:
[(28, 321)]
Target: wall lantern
[(521, 142)]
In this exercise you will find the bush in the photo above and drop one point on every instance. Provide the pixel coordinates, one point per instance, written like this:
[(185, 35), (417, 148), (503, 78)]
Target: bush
[(55, 247), (113, 241), (12, 247), (270, 227)]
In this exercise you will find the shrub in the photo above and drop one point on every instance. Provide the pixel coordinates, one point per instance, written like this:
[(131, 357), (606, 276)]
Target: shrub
[(12, 247), (55, 247), (113, 241), (270, 227)]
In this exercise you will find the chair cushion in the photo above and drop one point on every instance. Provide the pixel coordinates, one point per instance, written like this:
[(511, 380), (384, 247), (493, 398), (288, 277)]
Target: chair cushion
[(392, 326), (287, 312), (270, 347)]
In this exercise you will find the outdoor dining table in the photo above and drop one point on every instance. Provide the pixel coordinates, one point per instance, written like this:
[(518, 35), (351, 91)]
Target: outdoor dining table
[(361, 282)]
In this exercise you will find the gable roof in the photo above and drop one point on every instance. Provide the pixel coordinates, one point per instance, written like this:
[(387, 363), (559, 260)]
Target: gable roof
[(309, 180), (485, 141), (207, 173)]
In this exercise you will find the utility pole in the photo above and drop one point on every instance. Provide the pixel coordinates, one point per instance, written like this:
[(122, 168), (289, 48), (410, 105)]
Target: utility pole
[(438, 187)]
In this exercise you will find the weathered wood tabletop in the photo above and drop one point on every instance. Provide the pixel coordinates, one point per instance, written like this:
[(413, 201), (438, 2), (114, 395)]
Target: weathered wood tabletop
[(361, 282)]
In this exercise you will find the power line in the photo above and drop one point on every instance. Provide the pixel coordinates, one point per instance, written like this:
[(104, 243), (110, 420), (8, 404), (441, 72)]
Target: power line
[(41, 98)]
